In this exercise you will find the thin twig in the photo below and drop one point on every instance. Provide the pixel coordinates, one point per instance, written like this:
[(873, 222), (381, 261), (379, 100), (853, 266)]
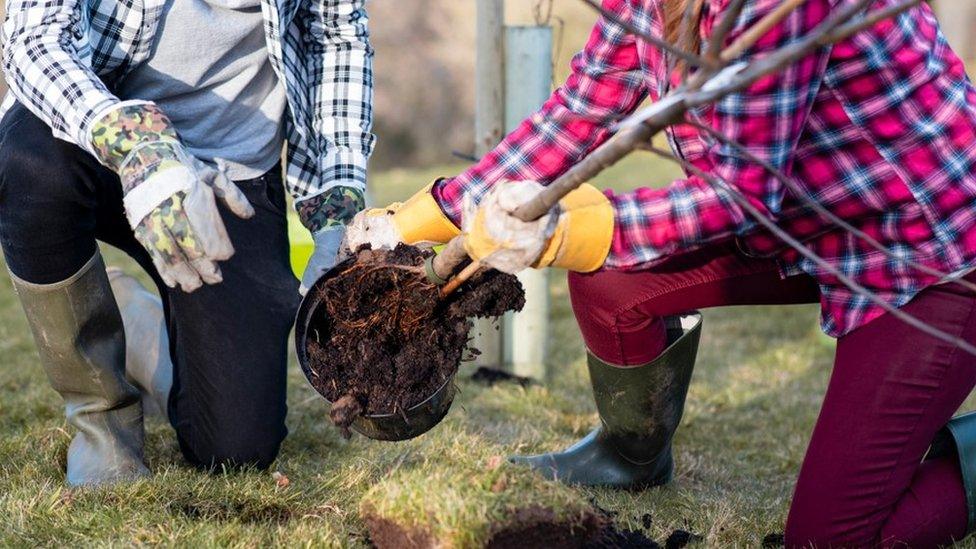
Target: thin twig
[(721, 32), (743, 202), (834, 29), (461, 278), (869, 20), (757, 31), (720, 81), (687, 57), (821, 210)]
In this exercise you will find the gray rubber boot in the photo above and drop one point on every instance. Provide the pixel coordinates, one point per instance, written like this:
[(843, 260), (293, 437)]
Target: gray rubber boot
[(148, 364), (79, 336), (640, 409)]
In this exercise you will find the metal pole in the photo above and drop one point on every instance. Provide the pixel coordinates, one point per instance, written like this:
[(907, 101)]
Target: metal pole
[(528, 84), (488, 131)]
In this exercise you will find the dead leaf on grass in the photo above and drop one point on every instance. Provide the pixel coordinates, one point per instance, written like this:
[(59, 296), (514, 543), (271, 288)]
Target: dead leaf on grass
[(280, 479)]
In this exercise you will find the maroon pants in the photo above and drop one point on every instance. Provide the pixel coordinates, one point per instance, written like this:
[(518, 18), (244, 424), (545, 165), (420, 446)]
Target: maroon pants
[(862, 482)]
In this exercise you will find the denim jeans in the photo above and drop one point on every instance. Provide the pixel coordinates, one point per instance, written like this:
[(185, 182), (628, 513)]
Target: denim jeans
[(229, 342)]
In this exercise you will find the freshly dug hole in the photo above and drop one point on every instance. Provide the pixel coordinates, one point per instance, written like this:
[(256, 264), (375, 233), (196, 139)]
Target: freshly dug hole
[(383, 340)]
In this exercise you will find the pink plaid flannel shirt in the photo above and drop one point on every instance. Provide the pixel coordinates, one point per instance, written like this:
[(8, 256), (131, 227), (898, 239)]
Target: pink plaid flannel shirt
[(880, 129)]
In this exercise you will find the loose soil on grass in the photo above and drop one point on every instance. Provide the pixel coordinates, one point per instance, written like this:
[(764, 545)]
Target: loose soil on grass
[(529, 527), (493, 376), (383, 340)]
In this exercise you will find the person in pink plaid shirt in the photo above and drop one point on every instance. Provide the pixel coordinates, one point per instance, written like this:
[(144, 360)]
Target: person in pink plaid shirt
[(881, 130)]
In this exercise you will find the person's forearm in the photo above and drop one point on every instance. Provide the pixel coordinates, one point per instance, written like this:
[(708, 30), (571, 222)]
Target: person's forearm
[(605, 85), (46, 75), (340, 65)]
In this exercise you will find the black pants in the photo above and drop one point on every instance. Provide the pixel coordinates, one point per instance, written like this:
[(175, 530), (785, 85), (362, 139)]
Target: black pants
[(228, 341)]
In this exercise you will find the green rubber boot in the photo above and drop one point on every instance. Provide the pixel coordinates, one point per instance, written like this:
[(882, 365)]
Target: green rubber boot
[(640, 409), (958, 438), (80, 339)]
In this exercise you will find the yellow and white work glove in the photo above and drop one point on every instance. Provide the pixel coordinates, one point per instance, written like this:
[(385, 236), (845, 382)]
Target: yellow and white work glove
[(169, 196), (419, 221), (575, 235)]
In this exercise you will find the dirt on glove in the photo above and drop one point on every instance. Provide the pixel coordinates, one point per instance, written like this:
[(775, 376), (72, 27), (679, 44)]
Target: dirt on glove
[(383, 340)]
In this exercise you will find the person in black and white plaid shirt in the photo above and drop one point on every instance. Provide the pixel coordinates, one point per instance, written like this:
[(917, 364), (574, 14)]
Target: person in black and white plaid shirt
[(157, 126)]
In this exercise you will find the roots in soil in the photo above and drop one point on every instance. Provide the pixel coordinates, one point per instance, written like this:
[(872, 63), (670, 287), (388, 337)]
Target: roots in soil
[(383, 340)]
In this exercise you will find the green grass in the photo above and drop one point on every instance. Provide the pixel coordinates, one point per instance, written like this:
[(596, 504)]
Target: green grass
[(756, 391)]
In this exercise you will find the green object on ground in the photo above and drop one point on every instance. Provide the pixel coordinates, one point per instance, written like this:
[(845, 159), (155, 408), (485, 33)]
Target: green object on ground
[(300, 241), (959, 437), (78, 331), (640, 409)]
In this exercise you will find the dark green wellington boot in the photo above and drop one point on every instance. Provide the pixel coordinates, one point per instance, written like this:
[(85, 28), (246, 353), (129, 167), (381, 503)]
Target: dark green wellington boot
[(958, 438), (640, 409), (79, 336)]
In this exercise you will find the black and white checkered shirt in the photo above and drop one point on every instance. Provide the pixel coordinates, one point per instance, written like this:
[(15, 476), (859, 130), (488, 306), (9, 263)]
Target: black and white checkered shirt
[(61, 58)]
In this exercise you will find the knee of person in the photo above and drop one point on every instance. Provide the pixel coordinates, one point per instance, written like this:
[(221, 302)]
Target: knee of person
[(33, 166), (250, 448), (605, 300), (801, 532), (593, 292), (818, 530)]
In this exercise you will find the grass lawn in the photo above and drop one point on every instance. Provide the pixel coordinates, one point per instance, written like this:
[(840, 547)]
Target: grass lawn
[(756, 391)]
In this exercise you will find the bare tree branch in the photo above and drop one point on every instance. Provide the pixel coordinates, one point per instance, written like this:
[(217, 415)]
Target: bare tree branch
[(687, 57), (717, 76), (757, 31), (821, 210), (743, 202), (713, 51), (867, 21), (830, 31)]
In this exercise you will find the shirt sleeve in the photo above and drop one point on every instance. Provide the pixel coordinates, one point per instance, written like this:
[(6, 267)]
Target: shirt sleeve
[(48, 72), (339, 61), (605, 84), (766, 119)]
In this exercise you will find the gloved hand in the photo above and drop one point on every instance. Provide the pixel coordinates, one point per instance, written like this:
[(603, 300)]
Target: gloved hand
[(418, 221), (326, 255), (574, 235), (325, 216), (169, 196)]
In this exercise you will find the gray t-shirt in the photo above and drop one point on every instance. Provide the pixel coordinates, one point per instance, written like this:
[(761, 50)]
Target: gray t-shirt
[(210, 73)]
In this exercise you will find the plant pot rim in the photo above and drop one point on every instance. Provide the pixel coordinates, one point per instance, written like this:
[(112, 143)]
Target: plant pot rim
[(426, 411)]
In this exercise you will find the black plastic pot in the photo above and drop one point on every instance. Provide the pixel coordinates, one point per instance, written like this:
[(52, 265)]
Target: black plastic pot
[(412, 422)]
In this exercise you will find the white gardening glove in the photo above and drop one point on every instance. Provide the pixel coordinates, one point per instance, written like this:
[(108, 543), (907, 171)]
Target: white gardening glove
[(374, 227), (169, 196), (494, 236), (418, 221), (327, 244)]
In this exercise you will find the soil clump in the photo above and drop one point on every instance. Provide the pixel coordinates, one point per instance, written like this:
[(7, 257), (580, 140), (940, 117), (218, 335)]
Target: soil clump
[(382, 340), (493, 376)]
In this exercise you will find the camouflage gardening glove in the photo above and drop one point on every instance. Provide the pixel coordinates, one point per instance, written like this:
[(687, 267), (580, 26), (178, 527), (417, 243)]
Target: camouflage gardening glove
[(418, 221), (169, 196), (326, 215)]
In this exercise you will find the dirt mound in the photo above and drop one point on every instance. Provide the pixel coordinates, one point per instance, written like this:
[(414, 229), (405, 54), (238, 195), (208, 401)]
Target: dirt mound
[(383, 340), (493, 376), (525, 528)]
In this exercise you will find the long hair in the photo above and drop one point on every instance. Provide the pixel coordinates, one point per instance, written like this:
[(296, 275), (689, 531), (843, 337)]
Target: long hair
[(674, 13)]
